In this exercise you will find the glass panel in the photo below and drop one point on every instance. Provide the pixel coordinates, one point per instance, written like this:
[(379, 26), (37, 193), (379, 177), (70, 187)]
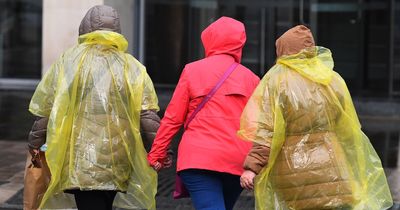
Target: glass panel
[(173, 30), (20, 38), (358, 33), (396, 45), (166, 40), (16, 120)]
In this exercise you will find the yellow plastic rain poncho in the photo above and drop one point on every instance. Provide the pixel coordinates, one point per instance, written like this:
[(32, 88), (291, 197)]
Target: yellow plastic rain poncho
[(93, 96), (319, 157)]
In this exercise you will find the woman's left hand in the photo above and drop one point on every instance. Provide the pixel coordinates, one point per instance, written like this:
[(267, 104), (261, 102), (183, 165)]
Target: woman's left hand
[(166, 163)]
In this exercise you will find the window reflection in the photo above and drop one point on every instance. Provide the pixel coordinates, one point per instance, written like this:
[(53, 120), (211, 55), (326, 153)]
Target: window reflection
[(20, 38), (357, 32)]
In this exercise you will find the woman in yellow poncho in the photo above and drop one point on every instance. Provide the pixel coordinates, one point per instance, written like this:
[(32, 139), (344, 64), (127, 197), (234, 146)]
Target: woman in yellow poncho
[(309, 151), (96, 96)]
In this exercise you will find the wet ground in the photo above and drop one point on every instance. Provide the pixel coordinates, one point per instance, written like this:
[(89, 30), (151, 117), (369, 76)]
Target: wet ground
[(380, 120)]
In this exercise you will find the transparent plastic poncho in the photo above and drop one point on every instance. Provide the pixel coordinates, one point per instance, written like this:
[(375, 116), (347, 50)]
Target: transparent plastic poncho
[(93, 95), (319, 158)]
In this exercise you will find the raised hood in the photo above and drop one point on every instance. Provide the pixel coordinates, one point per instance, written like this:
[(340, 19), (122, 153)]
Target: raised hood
[(224, 36)]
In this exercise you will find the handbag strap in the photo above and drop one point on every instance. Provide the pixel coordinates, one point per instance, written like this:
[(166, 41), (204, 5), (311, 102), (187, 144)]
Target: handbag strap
[(212, 92)]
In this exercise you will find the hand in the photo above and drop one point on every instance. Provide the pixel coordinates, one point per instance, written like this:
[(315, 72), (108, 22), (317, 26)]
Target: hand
[(157, 166), (33, 152), (167, 162), (247, 179)]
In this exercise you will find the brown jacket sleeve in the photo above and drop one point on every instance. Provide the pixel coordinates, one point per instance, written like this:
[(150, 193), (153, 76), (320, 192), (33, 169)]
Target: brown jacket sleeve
[(149, 124), (257, 158), (37, 136)]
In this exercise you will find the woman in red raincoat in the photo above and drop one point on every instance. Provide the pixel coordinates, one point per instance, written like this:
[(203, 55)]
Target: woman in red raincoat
[(210, 155)]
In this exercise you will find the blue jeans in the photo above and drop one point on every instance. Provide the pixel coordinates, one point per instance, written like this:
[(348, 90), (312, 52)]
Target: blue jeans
[(211, 190)]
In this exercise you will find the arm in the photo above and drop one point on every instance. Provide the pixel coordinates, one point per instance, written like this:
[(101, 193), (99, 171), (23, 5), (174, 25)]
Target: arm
[(255, 161), (256, 125), (149, 124), (257, 158), (41, 104), (172, 121), (37, 135), (149, 120)]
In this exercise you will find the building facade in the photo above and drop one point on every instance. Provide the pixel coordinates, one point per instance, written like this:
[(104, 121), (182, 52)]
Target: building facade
[(364, 36)]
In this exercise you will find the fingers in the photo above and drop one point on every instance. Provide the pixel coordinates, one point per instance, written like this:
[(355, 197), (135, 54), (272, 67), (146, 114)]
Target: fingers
[(157, 166), (33, 152), (250, 185), (247, 179), (246, 183), (167, 163)]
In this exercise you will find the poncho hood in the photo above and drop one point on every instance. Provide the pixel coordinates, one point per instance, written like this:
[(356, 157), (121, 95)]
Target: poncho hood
[(296, 49), (107, 38), (314, 63)]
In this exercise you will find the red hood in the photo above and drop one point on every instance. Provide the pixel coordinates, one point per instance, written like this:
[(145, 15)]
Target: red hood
[(224, 36)]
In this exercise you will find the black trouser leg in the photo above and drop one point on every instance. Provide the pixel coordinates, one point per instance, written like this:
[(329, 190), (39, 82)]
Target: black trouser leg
[(94, 199)]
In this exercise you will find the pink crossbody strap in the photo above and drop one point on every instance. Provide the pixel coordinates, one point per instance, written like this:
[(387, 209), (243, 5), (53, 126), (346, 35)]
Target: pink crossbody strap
[(212, 92)]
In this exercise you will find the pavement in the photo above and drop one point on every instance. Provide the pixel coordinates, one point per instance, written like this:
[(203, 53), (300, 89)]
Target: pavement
[(12, 164), (13, 161)]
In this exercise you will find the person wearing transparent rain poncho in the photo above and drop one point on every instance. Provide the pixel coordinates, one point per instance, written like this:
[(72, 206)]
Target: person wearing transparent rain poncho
[(97, 98), (309, 151)]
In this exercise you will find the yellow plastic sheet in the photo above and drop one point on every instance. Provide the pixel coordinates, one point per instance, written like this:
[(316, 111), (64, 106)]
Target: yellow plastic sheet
[(93, 96), (320, 158)]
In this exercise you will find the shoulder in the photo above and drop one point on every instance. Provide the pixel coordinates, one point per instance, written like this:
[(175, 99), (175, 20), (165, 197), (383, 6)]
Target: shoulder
[(337, 77), (134, 63), (248, 73), (195, 64), (337, 82), (132, 59)]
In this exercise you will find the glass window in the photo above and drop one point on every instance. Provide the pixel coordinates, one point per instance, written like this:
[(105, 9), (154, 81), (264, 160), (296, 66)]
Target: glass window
[(396, 47), (166, 40), (357, 32), (20, 38), (173, 30)]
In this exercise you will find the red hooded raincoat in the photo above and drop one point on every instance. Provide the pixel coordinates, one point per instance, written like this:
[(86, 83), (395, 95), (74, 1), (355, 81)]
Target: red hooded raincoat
[(210, 141)]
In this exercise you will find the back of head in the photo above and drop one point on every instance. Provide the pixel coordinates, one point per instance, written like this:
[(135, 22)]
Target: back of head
[(294, 40), (224, 36), (100, 17), (296, 49)]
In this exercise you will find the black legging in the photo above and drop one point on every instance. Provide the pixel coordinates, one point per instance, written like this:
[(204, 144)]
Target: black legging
[(94, 199)]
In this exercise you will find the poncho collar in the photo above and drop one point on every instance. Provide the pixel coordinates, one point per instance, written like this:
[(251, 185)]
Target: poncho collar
[(314, 63), (108, 38)]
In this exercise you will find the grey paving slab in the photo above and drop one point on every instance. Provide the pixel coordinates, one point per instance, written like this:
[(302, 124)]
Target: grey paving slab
[(12, 166), (12, 172)]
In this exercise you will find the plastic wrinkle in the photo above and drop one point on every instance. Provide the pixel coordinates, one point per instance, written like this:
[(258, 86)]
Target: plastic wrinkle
[(93, 96)]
